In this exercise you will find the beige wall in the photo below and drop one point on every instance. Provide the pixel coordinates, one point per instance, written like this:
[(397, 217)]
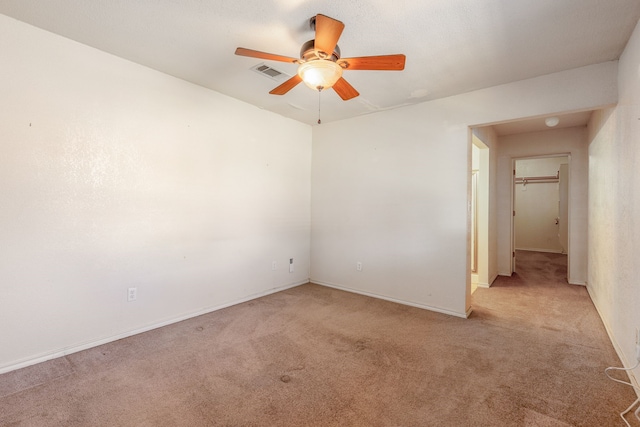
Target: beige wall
[(614, 208), (112, 176), (390, 190)]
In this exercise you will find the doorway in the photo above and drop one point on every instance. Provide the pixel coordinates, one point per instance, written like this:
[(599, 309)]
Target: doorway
[(540, 205), (479, 212)]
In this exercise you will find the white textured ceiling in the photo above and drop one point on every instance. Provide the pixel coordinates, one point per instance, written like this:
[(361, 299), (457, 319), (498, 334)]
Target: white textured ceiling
[(452, 46)]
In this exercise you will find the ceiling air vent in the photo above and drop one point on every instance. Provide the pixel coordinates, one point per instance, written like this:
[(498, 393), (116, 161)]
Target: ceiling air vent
[(272, 73)]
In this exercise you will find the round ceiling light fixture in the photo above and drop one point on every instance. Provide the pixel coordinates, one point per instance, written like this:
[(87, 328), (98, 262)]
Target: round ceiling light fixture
[(551, 121)]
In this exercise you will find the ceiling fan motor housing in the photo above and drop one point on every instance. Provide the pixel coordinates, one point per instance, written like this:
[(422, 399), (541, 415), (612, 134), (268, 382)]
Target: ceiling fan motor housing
[(308, 52)]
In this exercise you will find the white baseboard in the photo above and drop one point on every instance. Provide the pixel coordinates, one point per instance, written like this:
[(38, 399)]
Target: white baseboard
[(550, 251), (493, 279), (398, 301), (84, 346), (616, 346), (577, 282)]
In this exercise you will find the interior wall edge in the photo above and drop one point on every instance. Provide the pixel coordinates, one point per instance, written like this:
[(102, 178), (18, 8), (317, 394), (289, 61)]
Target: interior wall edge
[(493, 279), (449, 312), (616, 346)]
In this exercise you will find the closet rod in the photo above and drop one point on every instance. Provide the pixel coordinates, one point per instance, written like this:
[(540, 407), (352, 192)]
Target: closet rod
[(525, 179)]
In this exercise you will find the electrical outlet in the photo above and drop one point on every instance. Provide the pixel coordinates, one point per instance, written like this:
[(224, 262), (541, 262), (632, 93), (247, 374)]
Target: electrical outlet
[(273, 265), (359, 266), (132, 294), (290, 265)]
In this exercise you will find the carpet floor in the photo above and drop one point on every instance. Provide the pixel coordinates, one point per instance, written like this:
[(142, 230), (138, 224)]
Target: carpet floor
[(532, 353)]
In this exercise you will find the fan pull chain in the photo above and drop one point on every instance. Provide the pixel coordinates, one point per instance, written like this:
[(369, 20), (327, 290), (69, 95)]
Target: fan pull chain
[(319, 121)]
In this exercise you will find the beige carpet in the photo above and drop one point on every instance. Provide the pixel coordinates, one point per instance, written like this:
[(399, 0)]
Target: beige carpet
[(532, 354)]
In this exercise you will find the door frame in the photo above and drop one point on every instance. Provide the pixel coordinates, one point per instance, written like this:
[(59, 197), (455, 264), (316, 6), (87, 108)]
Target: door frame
[(513, 205), (482, 210)]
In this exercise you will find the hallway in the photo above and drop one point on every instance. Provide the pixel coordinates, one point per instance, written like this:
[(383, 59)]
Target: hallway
[(568, 345)]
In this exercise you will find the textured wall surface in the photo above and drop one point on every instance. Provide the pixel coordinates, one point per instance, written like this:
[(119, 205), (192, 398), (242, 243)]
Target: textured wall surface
[(113, 175), (614, 208)]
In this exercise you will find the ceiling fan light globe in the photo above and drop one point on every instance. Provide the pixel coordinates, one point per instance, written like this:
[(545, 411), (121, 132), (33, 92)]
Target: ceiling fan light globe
[(319, 74)]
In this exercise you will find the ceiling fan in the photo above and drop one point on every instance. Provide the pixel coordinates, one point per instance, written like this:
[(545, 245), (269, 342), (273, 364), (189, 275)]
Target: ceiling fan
[(320, 65)]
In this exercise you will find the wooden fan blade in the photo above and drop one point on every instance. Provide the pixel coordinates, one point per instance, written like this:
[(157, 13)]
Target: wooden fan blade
[(328, 31), (382, 63), (286, 86), (264, 55), (345, 90)]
